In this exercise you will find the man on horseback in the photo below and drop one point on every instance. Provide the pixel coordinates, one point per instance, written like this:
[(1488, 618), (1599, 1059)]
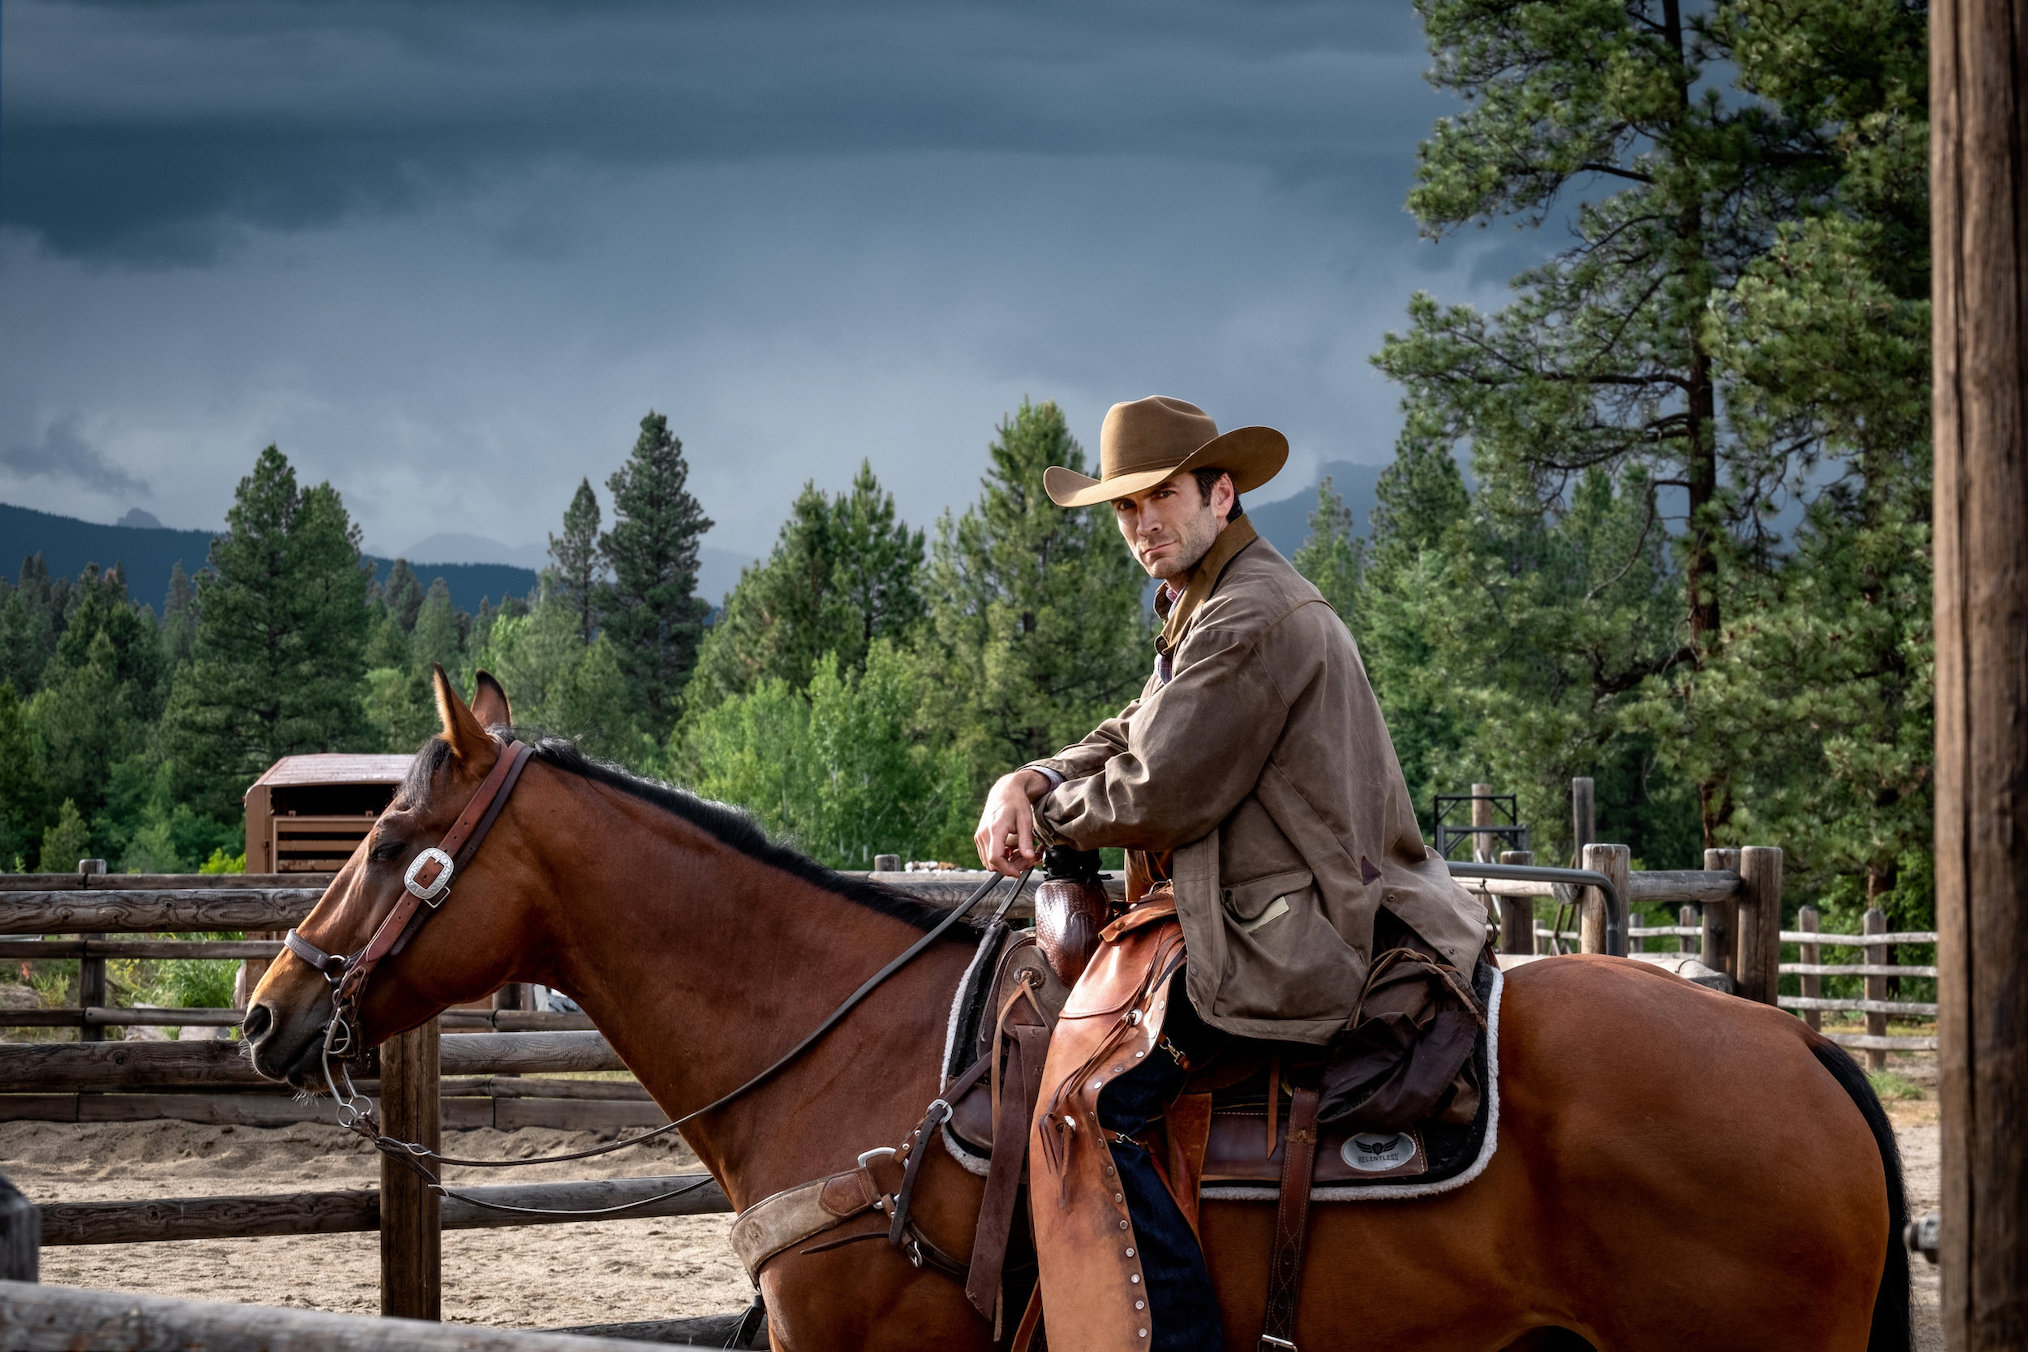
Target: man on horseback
[(1256, 791)]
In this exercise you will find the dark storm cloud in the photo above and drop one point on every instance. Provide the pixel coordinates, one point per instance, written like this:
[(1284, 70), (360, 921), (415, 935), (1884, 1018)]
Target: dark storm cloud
[(60, 453), (157, 132)]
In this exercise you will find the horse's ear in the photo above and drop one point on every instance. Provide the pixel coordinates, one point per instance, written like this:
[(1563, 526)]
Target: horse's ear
[(489, 703), (462, 729)]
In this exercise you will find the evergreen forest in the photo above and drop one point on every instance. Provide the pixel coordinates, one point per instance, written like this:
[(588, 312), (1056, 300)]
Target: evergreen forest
[(1661, 519)]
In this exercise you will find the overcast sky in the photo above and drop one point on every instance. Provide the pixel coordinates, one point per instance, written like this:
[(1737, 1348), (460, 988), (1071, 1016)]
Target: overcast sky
[(446, 256)]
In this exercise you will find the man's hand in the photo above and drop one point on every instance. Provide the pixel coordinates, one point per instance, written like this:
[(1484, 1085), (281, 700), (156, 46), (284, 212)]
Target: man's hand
[(1006, 834)]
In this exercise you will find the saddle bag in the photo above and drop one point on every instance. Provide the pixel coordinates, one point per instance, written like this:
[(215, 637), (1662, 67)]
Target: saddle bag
[(1405, 1057)]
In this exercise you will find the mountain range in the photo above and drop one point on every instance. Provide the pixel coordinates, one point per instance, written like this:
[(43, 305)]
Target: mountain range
[(149, 552)]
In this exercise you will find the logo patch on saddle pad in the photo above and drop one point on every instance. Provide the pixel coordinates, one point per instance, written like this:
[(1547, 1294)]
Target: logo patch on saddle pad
[(1374, 1152)]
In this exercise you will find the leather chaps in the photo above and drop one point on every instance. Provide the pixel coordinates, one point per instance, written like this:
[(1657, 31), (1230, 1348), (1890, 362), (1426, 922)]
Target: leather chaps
[(1106, 1228)]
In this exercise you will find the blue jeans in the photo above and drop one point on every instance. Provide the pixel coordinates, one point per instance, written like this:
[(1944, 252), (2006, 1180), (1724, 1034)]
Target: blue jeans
[(1180, 1298)]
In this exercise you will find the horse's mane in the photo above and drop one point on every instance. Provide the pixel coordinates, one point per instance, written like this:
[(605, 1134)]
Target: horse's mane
[(730, 825)]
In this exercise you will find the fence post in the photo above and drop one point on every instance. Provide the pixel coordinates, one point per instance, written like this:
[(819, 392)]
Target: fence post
[(1635, 944), (411, 1223), (1517, 914), (1758, 976), (1813, 986), (1686, 916), (1721, 919), (1482, 815), (887, 863), (91, 972), (1876, 986), (20, 1235), (1583, 816), (1615, 861)]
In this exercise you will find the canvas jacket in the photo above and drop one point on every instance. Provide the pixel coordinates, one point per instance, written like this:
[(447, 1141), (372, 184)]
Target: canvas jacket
[(1263, 763)]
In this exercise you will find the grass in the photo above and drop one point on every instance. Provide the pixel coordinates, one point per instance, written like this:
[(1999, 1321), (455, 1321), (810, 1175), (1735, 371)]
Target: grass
[(1892, 1086)]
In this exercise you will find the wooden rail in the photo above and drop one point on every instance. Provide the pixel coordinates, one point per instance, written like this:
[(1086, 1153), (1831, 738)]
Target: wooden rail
[(1733, 884), (355, 1209), (64, 1318), (1878, 942), (109, 1066)]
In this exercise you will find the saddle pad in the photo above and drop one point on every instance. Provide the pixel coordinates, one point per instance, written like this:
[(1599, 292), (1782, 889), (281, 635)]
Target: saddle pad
[(1430, 1158)]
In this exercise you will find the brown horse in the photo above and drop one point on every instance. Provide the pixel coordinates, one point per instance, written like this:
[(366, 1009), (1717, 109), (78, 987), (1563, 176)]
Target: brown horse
[(1675, 1168)]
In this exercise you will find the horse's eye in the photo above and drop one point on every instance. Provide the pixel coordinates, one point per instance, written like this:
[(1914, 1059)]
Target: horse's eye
[(387, 850)]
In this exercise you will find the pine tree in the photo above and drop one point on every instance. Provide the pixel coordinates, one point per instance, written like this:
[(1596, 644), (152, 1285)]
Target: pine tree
[(438, 638), (1036, 626), (179, 617), (102, 607), (844, 572), (67, 840), (1511, 646), (281, 632), (880, 566), (574, 563), (24, 792), (1608, 356), (654, 616), (1330, 556), (402, 595), (88, 723), (31, 621)]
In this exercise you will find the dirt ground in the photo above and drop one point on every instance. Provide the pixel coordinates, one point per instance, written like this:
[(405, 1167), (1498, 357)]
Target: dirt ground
[(533, 1277), (545, 1276)]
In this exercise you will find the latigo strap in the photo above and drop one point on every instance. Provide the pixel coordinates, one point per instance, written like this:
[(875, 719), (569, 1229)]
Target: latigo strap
[(1292, 1220)]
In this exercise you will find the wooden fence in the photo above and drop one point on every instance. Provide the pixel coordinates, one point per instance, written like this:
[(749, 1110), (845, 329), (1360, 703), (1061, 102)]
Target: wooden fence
[(428, 1081), (1733, 908), (1875, 971)]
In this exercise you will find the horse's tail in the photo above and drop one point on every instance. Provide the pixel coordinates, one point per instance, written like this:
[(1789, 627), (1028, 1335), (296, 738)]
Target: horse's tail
[(1890, 1308)]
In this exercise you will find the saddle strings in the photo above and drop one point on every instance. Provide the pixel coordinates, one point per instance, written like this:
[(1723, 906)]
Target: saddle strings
[(418, 1157)]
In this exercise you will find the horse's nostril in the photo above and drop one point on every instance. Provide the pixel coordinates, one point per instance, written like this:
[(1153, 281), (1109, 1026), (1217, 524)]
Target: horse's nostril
[(256, 1021)]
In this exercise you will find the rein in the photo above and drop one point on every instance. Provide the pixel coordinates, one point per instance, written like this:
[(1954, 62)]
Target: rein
[(425, 885)]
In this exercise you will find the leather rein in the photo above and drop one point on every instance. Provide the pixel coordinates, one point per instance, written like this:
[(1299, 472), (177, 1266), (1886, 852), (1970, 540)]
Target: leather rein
[(424, 886)]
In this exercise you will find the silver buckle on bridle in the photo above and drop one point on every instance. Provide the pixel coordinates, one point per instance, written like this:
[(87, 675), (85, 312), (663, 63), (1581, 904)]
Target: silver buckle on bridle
[(436, 889)]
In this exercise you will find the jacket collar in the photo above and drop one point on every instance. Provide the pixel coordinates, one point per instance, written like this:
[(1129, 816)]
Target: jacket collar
[(1178, 610)]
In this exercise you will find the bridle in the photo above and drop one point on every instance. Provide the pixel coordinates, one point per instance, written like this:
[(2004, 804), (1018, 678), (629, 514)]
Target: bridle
[(424, 886)]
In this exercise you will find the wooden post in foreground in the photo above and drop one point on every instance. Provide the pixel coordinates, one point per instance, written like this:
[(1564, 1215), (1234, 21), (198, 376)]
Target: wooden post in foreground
[(1615, 861), (1813, 986), (20, 1236), (1721, 918), (1759, 945), (411, 1223), (1517, 914), (1979, 245)]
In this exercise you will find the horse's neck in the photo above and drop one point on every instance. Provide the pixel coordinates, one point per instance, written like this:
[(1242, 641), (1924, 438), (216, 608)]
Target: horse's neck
[(702, 965)]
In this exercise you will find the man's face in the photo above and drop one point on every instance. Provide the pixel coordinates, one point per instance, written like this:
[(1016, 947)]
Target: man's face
[(1170, 527)]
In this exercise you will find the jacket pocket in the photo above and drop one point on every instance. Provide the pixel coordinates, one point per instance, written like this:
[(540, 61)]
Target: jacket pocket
[(1260, 901)]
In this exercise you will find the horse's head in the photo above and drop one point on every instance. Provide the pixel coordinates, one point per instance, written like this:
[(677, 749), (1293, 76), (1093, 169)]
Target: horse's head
[(286, 1019)]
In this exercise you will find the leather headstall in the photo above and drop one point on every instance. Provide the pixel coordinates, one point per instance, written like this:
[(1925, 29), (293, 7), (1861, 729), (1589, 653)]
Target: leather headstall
[(424, 886)]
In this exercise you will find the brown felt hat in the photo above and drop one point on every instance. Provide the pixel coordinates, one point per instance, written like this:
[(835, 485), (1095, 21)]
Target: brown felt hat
[(1146, 441)]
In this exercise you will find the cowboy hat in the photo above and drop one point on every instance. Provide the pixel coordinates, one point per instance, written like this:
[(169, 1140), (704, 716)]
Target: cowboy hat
[(1146, 441)]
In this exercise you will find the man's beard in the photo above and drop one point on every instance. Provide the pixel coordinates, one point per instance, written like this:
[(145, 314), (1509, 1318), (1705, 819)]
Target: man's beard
[(1193, 542)]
